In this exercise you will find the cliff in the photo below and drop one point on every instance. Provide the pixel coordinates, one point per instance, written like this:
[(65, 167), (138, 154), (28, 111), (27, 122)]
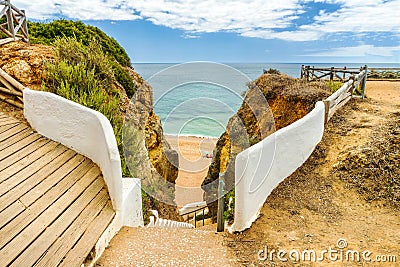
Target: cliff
[(289, 99), (27, 64)]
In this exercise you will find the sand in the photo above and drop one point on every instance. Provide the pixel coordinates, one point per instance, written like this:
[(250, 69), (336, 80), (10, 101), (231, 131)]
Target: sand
[(193, 166)]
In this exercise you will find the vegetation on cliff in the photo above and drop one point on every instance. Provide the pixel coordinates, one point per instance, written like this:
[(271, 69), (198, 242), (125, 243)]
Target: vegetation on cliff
[(48, 33), (88, 36), (90, 68), (84, 74)]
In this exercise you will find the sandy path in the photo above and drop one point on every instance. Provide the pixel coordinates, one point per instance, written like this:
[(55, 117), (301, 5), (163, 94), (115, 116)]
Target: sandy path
[(312, 209), (165, 247), (193, 167)]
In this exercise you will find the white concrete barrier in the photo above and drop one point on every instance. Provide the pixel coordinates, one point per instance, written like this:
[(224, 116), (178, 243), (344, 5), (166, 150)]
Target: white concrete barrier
[(260, 168), (84, 130), (89, 133)]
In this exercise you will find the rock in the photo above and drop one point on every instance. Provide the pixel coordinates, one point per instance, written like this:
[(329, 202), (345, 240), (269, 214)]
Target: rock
[(289, 99), (27, 64)]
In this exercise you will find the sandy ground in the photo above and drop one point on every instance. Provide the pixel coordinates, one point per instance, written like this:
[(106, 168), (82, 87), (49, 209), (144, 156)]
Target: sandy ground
[(313, 208), (193, 166), (165, 247)]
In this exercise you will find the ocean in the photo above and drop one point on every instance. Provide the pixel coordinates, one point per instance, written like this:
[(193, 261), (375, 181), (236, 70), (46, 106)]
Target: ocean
[(197, 101)]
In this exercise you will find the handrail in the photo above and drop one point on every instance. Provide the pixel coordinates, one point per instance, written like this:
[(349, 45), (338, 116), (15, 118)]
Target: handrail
[(195, 210)]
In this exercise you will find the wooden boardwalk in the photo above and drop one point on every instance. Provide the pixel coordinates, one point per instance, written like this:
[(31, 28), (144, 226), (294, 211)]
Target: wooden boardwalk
[(54, 204)]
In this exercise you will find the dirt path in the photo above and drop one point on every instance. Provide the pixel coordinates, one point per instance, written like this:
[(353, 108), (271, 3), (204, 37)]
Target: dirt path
[(319, 204), (165, 247)]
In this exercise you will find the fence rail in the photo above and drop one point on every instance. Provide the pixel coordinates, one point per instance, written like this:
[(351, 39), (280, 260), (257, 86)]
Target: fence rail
[(340, 74), (356, 84), (11, 90), (16, 26)]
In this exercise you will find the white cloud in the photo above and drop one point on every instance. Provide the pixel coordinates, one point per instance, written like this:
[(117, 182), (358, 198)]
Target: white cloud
[(358, 51), (273, 19)]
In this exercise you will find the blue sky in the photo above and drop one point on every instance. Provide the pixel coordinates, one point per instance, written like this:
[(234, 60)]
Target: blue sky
[(240, 30)]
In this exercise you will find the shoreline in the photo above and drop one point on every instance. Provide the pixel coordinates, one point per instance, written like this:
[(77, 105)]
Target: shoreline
[(193, 166), (189, 135)]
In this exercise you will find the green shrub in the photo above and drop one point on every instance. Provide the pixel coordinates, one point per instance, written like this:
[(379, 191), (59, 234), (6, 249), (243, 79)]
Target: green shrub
[(333, 86), (84, 74), (47, 33), (124, 79)]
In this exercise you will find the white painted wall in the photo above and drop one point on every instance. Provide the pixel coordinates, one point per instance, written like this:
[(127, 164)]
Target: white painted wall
[(89, 133), (260, 168), (84, 130)]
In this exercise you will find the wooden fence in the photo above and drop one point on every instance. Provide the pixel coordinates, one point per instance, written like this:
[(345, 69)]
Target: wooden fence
[(356, 84), (16, 26), (10, 90), (339, 74)]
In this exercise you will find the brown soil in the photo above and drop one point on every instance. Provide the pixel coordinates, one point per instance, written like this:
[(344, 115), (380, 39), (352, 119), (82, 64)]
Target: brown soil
[(319, 203)]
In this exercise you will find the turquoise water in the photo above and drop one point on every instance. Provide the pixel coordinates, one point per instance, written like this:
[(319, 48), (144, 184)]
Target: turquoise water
[(191, 106)]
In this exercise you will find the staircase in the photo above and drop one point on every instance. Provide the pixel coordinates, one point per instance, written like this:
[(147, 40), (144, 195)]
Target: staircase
[(54, 204)]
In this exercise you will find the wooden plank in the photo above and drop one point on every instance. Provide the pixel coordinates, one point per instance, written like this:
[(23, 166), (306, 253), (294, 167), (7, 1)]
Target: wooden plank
[(35, 178), (6, 121), (50, 163), (11, 212), (12, 130), (10, 91), (57, 199), (36, 184), (6, 83), (21, 149), (33, 230), (76, 167), (69, 238), (31, 182), (90, 202), (3, 11), (8, 184), (11, 80), (77, 255), (13, 102), (338, 106), (7, 127), (14, 138), (2, 124)]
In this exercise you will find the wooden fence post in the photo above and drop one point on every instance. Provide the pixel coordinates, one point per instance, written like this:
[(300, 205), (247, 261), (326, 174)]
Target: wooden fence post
[(327, 106), (10, 21), (25, 27), (364, 82), (331, 74)]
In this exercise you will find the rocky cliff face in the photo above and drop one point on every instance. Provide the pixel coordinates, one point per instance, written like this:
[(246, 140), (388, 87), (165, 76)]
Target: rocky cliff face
[(27, 64), (163, 159), (289, 99)]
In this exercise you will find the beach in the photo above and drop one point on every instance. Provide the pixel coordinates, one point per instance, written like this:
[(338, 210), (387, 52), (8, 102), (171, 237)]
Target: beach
[(193, 166)]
